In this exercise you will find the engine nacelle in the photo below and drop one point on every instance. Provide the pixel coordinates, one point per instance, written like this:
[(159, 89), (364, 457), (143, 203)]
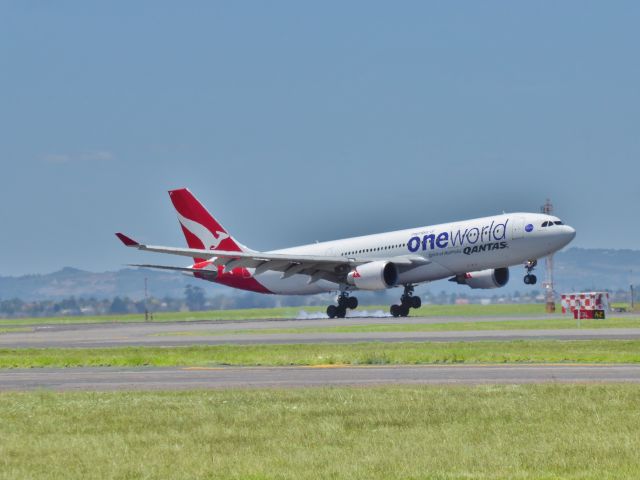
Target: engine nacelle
[(491, 278), (374, 276)]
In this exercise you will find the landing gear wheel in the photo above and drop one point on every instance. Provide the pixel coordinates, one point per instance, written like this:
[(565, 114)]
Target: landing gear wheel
[(530, 278), (344, 302), (416, 302), (407, 302)]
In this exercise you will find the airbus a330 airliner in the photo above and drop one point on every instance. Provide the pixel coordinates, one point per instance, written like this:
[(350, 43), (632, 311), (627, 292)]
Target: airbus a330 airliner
[(477, 253)]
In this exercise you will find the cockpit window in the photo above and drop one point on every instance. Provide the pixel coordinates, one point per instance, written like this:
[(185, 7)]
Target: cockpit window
[(545, 224), (558, 222)]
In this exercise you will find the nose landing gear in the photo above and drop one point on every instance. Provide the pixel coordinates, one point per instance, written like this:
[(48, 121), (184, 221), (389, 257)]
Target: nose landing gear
[(407, 301), (344, 302), (530, 278)]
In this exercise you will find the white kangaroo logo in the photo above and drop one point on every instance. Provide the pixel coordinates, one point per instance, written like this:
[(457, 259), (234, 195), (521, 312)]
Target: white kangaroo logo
[(208, 238)]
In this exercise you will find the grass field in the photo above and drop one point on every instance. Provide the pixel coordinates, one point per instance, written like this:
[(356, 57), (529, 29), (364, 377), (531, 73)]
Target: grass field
[(534, 351), (487, 432), (396, 325), (15, 329), (285, 312)]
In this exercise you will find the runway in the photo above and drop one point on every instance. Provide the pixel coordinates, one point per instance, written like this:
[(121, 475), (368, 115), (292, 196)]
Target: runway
[(218, 333), (258, 332), (273, 377)]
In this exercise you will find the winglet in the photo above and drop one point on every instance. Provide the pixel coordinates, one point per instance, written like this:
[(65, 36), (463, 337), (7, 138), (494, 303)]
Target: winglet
[(126, 240)]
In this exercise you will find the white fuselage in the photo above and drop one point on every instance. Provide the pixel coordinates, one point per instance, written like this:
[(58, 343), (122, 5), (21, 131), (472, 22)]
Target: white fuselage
[(449, 249)]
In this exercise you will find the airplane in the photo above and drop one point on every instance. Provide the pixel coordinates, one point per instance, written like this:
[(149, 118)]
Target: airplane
[(476, 253)]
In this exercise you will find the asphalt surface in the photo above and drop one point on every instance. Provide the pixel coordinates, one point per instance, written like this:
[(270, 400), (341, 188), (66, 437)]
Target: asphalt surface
[(270, 377), (217, 333)]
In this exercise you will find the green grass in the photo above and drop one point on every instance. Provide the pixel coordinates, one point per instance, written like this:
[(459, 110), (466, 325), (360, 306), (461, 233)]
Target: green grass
[(15, 329), (520, 351), (284, 312), (486, 432), (395, 325), (240, 314)]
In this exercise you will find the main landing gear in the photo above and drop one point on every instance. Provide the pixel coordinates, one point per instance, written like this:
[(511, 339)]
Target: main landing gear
[(407, 301), (530, 278), (344, 302)]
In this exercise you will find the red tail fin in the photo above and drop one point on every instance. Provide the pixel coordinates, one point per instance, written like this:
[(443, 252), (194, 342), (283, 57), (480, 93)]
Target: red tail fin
[(199, 227)]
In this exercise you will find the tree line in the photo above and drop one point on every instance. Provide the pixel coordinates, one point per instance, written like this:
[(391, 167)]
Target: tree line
[(194, 299)]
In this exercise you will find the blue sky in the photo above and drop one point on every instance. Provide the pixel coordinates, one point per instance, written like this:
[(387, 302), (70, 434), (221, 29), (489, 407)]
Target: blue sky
[(299, 121)]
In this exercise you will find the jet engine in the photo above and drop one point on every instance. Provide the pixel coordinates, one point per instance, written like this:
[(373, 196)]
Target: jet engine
[(376, 275), (491, 278)]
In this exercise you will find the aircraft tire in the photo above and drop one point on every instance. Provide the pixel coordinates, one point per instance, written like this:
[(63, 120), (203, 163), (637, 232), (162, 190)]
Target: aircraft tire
[(341, 312), (395, 310), (416, 302), (352, 303), (332, 311)]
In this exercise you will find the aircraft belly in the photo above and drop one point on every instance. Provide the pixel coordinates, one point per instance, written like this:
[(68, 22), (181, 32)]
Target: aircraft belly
[(294, 285), (424, 273)]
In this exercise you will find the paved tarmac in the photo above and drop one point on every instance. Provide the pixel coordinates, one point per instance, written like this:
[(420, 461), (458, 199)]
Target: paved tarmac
[(269, 377), (218, 333)]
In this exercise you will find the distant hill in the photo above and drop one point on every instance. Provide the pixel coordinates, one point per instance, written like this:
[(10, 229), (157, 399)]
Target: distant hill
[(596, 269), (575, 269), (79, 283)]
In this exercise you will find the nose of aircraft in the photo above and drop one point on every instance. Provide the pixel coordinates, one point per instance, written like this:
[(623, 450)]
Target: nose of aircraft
[(569, 233)]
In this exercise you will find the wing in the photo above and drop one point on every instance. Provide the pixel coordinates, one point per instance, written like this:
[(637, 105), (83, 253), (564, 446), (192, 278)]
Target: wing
[(317, 267), (204, 273)]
